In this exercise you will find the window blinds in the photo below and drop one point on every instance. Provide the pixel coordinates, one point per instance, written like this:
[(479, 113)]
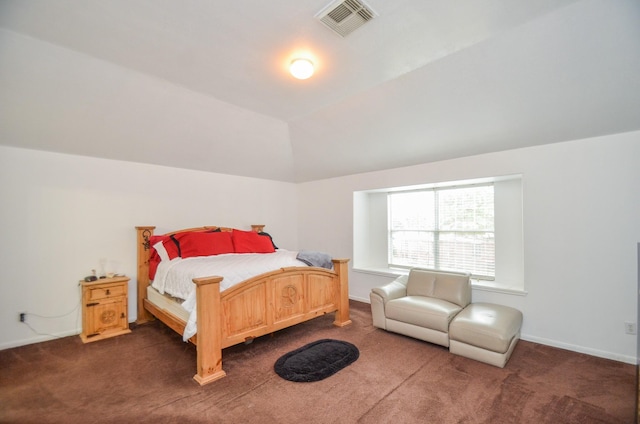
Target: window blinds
[(448, 228)]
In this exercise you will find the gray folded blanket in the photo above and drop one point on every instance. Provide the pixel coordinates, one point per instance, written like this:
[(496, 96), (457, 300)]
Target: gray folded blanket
[(319, 259)]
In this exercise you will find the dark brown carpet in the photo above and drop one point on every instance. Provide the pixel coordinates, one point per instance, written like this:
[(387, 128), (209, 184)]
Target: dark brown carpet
[(146, 376)]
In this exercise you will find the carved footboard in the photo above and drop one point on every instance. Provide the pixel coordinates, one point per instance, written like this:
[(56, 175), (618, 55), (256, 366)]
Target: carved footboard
[(255, 307), (263, 305)]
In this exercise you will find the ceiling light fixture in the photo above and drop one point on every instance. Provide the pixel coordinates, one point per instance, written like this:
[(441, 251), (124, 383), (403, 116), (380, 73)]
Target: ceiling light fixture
[(301, 68)]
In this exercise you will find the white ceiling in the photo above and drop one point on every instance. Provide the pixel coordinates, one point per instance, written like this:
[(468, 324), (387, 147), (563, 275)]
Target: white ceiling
[(203, 84)]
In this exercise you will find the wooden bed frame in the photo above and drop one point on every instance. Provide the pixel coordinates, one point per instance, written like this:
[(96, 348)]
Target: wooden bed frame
[(253, 308)]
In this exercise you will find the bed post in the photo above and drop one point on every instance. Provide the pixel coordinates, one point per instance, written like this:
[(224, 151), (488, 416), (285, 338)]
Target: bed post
[(144, 252), (258, 228), (209, 337), (342, 314)]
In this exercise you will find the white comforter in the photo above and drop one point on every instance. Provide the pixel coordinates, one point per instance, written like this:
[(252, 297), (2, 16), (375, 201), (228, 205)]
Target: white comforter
[(175, 277)]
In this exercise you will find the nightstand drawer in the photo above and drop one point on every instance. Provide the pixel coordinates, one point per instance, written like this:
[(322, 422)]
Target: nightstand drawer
[(107, 292)]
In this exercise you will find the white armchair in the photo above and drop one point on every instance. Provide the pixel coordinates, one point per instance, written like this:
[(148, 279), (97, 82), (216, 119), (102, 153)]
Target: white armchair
[(421, 304)]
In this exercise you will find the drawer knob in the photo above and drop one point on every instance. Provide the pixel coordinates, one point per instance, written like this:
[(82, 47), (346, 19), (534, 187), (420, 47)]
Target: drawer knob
[(108, 292)]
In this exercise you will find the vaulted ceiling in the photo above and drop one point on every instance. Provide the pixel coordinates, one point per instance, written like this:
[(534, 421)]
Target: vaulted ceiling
[(202, 84)]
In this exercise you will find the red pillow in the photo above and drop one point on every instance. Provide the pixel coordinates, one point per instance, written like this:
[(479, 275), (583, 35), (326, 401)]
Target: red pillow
[(153, 266), (204, 243), (169, 244), (154, 256), (251, 242)]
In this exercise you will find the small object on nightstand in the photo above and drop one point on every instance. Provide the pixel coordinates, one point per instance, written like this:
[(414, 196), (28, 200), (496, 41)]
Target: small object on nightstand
[(91, 277), (104, 308)]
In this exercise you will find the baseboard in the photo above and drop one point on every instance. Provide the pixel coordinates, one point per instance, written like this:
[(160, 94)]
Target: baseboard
[(38, 339), (581, 349), (359, 299), (553, 343)]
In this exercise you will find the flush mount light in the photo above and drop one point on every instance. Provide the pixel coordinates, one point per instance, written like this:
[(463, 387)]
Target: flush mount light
[(301, 68)]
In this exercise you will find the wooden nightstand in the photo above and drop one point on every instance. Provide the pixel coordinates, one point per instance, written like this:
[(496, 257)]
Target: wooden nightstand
[(104, 308)]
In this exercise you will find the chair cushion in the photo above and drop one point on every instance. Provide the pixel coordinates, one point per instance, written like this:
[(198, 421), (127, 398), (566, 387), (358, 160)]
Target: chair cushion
[(422, 311), (487, 326), (450, 286)]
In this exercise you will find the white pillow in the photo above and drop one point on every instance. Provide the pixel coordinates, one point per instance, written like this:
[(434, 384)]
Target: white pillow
[(162, 252)]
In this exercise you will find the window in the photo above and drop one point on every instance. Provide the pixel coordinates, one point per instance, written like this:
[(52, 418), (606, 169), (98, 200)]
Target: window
[(468, 225), (449, 228)]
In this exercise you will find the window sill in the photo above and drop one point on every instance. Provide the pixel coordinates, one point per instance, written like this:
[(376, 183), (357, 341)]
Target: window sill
[(384, 272), (489, 286)]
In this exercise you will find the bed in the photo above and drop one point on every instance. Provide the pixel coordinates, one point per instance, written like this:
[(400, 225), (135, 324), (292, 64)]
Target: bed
[(254, 307)]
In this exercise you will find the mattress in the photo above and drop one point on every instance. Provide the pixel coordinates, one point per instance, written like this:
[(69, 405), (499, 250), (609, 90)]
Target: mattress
[(176, 276), (165, 302)]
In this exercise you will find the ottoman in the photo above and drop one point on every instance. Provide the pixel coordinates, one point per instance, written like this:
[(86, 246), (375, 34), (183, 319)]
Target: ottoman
[(485, 332)]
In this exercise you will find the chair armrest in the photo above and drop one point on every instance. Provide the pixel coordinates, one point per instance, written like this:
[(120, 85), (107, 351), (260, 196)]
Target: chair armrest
[(393, 290)]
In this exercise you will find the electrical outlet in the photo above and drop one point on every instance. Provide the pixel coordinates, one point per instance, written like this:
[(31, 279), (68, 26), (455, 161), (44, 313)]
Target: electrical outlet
[(23, 316), (630, 327)]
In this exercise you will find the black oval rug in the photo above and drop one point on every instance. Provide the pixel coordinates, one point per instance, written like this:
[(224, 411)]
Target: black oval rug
[(316, 361)]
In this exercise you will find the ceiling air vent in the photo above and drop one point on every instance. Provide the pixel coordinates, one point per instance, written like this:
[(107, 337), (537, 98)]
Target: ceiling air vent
[(345, 16)]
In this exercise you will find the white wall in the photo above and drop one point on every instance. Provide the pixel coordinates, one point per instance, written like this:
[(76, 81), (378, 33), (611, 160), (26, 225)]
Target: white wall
[(581, 205), (61, 214)]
